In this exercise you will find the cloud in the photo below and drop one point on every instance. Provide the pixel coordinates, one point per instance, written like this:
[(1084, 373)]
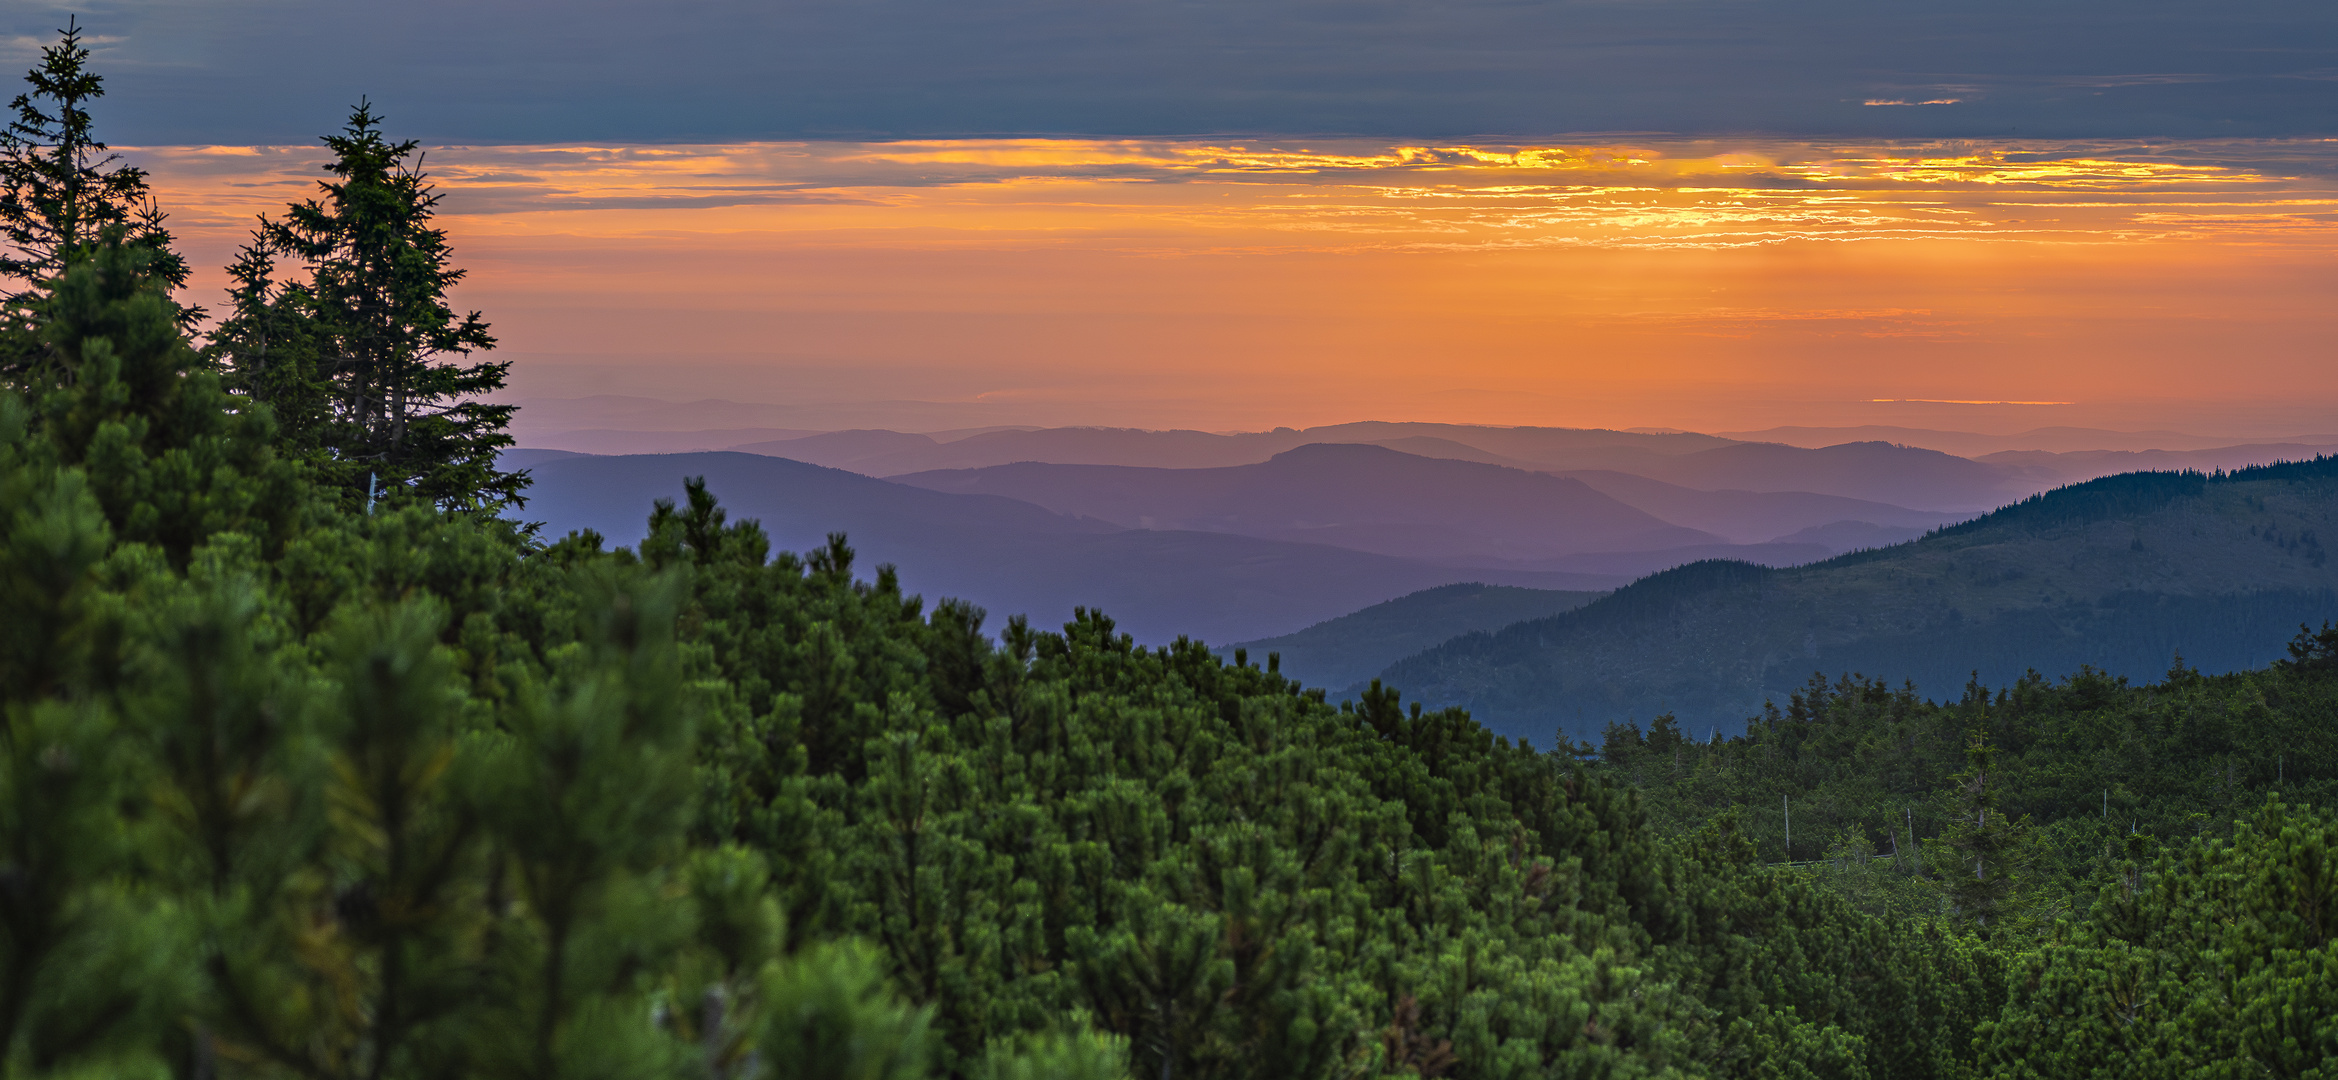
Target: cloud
[(1955, 401), (1179, 197), (508, 71)]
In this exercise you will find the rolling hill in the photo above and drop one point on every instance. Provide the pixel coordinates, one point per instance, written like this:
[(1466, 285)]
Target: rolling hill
[(1873, 471), (1352, 648), (1754, 517), (1362, 497), (2121, 573), (892, 453), (1010, 556), (2075, 465), (530, 458)]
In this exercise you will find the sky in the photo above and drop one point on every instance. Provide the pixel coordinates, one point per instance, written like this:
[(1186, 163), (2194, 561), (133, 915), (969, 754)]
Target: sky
[(1697, 214)]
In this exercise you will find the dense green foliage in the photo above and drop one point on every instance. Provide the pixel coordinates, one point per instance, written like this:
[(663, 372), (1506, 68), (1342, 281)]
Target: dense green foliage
[(2092, 759), (2141, 859), (2219, 958)]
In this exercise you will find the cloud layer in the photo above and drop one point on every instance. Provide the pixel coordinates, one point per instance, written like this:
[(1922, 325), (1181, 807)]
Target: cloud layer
[(1188, 195)]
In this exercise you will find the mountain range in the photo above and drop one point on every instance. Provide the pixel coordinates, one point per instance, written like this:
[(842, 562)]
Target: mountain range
[(1363, 497), (1224, 554), (1355, 647), (1755, 517), (893, 453), (1903, 475), (1975, 444), (2122, 573), (1467, 564), (1801, 458), (1009, 556)]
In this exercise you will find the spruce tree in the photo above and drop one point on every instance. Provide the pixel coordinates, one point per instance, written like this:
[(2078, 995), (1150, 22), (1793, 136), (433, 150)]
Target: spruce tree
[(60, 190), (1989, 844), (267, 347), (365, 358)]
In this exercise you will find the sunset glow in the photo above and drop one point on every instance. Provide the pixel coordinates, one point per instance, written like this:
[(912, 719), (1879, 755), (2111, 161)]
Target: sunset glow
[(1236, 283)]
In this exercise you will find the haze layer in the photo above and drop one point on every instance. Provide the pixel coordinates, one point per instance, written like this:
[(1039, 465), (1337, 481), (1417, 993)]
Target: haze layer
[(1711, 284)]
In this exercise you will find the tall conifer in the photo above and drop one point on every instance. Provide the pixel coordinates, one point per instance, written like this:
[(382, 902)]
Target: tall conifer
[(268, 345), (1989, 844), (60, 190), (365, 359)]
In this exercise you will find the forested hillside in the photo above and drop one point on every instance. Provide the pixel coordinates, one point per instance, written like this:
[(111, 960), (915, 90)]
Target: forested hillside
[(2120, 573), (1345, 652), (2149, 843), (313, 765)]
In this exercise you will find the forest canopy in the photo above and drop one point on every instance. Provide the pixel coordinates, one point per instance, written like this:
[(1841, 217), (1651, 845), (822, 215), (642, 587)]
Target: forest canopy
[(311, 765)]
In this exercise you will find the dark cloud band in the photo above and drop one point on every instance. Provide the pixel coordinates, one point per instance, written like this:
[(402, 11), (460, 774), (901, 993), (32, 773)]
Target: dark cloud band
[(272, 71)]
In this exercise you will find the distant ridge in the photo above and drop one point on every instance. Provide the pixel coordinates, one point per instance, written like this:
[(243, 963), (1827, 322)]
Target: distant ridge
[(1525, 447), (1874, 471), (1008, 556), (1359, 496), (1973, 444), (2119, 573), (1753, 517), (1349, 649)]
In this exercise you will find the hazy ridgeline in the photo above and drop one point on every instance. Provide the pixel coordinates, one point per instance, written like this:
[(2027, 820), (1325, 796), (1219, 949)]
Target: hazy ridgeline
[(2123, 575), (313, 766)]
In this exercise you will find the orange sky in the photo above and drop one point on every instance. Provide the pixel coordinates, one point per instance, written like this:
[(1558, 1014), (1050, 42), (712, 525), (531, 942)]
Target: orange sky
[(1621, 282)]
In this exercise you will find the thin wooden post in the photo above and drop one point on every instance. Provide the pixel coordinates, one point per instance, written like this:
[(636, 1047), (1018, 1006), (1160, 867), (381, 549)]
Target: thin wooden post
[(1915, 850)]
